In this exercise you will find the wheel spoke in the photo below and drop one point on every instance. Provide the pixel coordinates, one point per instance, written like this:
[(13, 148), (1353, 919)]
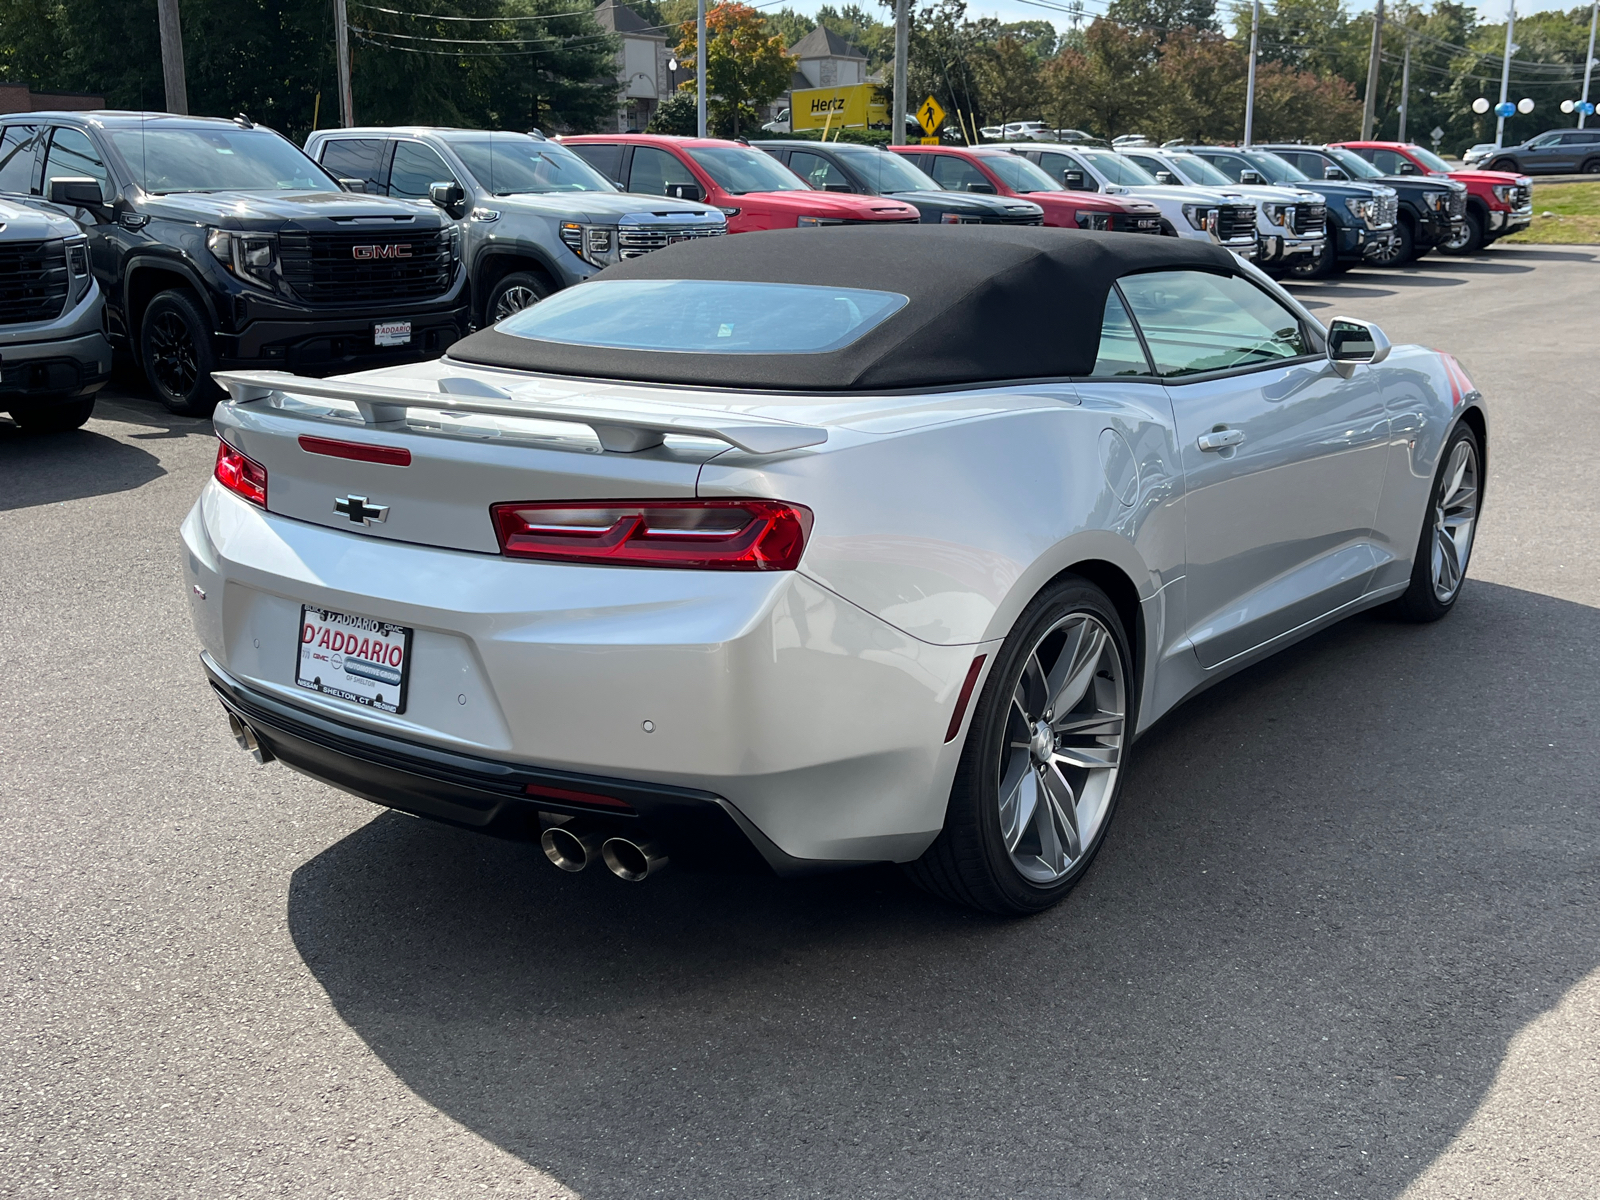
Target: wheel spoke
[(1060, 814), (1089, 758), (1101, 724), (1018, 805), (1076, 667)]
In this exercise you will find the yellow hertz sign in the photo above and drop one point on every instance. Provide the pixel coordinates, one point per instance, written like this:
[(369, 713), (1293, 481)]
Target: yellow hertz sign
[(837, 108)]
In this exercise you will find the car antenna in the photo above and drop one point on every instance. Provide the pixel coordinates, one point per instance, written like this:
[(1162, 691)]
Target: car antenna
[(243, 122)]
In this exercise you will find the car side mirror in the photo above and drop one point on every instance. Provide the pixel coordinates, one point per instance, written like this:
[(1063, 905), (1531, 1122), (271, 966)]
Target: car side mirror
[(449, 196), (986, 188), (76, 191), (1073, 180), (837, 187), (1250, 177), (1408, 168), (354, 185), (685, 191), (1166, 178), (1352, 342), (1332, 172)]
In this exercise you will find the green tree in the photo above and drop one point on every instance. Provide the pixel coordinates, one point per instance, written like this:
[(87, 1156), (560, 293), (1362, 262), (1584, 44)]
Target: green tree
[(1165, 17), (1008, 75), (746, 65), (1109, 87)]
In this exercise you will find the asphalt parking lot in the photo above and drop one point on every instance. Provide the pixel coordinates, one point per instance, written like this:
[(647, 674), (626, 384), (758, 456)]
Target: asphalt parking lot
[(1343, 939)]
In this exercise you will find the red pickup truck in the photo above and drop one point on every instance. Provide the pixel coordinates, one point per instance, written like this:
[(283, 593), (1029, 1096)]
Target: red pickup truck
[(1498, 202)]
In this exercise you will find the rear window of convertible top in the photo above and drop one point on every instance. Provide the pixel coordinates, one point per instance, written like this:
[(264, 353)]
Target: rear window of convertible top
[(701, 316)]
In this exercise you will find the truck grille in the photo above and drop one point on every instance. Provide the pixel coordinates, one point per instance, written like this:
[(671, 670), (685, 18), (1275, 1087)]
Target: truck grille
[(1310, 218), (1012, 218), (1521, 198), (323, 268), (1138, 223), (891, 221), (33, 280), (1236, 221), (1456, 205), (1388, 212), (635, 241)]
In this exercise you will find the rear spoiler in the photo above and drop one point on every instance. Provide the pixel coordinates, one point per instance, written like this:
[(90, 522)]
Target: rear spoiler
[(623, 426)]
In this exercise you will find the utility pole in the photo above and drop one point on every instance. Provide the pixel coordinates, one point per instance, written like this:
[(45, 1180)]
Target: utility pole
[(700, 68), (1372, 74), (1250, 87), (1505, 75), (341, 47), (902, 46), (172, 57), (1405, 89), (1588, 63)]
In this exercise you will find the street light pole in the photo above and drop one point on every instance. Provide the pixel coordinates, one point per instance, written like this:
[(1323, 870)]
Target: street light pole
[(1505, 76), (1588, 63), (1250, 87), (902, 45), (341, 45), (1405, 89), (172, 58), (700, 68), (1372, 74)]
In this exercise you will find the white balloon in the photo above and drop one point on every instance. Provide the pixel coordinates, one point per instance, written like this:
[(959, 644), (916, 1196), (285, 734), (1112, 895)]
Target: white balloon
[(1567, 106), (1525, 106), (1480, 106)]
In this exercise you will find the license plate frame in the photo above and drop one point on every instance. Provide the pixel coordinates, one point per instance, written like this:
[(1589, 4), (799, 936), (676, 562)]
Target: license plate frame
[(391, 333), (322, 666)]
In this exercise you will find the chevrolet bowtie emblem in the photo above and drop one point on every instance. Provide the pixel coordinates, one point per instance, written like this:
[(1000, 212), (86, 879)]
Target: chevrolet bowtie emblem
[(359, 511)]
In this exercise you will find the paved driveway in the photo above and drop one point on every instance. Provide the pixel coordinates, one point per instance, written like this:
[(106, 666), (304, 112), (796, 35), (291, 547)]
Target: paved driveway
[(1342, 939)]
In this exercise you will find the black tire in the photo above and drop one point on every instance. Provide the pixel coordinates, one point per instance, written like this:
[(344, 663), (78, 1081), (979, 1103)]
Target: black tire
[(1472, 242), (1318, 266), (1505, 164), (968, 862), (1421, 601), (1592, 167), (1404, 250), (178, 356), (511, 294), (53, 416)]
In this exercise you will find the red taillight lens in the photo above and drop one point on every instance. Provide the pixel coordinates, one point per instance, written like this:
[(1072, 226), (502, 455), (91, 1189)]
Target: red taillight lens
[(240, 475), (389, 456), (722, 535)]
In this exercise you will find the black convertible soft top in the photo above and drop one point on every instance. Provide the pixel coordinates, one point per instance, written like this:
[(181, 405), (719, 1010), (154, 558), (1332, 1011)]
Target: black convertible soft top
[(987, 303)]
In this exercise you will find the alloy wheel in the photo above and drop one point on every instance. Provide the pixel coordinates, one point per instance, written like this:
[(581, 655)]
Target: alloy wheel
[(173, 361), (514, 300), (1062, 748), (1455, 518)]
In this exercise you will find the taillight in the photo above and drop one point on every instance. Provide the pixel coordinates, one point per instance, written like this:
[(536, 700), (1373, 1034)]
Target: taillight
[(723, 535), (1461, 387), (240, 475)]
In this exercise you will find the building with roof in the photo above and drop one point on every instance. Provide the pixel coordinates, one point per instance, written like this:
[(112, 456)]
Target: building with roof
[(827, 60), (20, 97), (643, 77)]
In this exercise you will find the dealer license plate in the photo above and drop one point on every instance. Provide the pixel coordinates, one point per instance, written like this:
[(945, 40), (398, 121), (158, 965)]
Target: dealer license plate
[(354, 658), (391, 333)]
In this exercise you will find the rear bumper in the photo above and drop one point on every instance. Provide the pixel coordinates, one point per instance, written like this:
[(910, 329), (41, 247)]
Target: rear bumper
[(503, 799)]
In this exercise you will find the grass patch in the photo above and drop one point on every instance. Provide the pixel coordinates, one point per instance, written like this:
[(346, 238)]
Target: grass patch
[(1577, 215)]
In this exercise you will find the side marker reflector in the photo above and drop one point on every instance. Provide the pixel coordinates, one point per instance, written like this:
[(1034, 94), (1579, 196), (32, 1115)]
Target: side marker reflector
[(964, 697)]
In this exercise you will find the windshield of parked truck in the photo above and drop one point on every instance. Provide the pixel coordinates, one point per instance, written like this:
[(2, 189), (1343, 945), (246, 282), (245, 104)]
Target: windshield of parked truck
[(220, 159), (1429, 159), (738, 171), (1276, 170), (703, 316), (1199, 172), (1020, 175), (515, 165), (884, 173), (1118, 170), (1354, 165)]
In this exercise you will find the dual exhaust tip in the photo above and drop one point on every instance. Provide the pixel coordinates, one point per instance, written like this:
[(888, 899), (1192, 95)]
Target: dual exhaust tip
[(575, 845), (247, 739)]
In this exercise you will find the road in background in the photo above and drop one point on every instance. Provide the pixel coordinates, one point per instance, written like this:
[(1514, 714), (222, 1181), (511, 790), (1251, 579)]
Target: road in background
[(1342, 939)]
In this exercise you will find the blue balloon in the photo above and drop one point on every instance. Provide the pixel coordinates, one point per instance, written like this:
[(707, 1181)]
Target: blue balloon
[(1505, 109), (1586, 108)]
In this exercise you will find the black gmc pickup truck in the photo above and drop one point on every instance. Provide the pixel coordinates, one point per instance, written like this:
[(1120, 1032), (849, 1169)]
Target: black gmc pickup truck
[(219, 244)]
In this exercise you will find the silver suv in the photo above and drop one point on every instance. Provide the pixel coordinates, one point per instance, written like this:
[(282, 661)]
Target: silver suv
[(534, 217), (54, 355)]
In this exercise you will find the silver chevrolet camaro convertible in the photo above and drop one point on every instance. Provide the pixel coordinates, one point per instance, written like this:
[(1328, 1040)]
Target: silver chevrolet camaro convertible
[(797, 550)]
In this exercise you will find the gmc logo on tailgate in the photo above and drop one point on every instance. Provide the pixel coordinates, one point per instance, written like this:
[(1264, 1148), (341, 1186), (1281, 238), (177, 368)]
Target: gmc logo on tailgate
[(402, 250)]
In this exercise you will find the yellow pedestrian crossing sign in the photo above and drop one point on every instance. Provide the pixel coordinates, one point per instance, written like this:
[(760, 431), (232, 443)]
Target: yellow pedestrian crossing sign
[(930, 116)]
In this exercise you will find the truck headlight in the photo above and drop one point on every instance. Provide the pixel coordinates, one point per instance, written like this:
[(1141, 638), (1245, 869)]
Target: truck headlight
[(1199, 215), (452, 237), (805, 222), (597, 245), (78, 265), (1438, 200), (1362, 210), (1502, 192), (1094, 220), (253, 257), (958, 219)]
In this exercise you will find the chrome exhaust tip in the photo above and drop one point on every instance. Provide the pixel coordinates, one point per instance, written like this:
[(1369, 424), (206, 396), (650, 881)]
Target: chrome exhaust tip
[(631, 860), (247, 740), (571, 847)]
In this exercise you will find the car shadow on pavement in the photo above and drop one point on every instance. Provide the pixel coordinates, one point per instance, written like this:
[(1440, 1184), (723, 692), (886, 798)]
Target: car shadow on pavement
[(1337, 887), (51, 468)]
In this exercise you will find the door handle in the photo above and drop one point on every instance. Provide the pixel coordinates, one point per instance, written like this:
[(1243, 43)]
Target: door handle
[(1220, 439)]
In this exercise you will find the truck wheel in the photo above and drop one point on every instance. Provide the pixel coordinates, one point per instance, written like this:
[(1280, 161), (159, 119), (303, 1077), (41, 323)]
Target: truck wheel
[(1469, 240), (517, 291), (175, 347), (1318, 266), (53, 416), (1404, 250)]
